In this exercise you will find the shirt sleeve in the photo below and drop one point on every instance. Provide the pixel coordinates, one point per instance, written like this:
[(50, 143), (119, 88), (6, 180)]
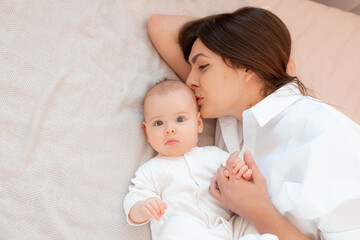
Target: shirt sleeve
[(341, 223), (323, 186), (142, 187)]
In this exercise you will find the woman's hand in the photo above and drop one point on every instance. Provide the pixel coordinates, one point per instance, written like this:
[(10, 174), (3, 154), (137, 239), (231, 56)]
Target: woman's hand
[(246, 198), (251, 200)]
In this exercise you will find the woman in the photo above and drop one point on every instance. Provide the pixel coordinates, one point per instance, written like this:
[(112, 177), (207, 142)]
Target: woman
[(304, 154)]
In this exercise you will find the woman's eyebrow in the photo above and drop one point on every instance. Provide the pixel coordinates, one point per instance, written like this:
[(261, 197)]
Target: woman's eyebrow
[(193, 60)]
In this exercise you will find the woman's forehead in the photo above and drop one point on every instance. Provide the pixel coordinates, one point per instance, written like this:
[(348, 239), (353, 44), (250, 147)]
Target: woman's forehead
[(199, 50)]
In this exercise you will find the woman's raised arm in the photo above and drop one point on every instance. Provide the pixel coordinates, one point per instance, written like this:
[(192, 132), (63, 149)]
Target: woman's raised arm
[(164, 33)]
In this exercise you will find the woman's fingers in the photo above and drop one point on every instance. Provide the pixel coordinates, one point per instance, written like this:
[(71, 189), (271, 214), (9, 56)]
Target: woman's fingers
[(226, 173), (214, 189), (250, 162)]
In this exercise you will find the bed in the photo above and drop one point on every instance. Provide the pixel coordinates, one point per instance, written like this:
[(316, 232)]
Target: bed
[(72, 79)]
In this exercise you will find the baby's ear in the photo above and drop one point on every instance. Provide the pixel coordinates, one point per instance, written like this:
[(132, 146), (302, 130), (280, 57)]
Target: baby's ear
[(144, 128), (200, 123)]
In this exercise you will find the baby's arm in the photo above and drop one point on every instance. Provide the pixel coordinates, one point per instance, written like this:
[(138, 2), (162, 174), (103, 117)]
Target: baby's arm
[(142, 211)]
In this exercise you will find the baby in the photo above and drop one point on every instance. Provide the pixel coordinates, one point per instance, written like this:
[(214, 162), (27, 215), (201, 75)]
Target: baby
[(173, 187)]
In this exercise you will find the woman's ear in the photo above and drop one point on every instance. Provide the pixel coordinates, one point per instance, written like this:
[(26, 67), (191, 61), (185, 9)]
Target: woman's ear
[(291, 68), (249, 74), (144, 128), (200, 123)]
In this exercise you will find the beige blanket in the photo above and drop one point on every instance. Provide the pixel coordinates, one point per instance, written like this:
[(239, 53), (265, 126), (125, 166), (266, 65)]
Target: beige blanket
[(72, 78)]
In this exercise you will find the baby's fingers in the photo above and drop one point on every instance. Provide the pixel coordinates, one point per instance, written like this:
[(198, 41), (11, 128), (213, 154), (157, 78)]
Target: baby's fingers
[(238, 166), (162, 206), (148, 213), (153, 212), (242, 170), (154, 204), (247, 175)]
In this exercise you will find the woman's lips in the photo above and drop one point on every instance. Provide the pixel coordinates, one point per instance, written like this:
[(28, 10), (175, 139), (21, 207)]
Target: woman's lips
[(199, 100), (171, 141)]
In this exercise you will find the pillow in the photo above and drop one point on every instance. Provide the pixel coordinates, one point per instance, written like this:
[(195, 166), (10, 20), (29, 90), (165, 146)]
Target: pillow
[(326, 50)]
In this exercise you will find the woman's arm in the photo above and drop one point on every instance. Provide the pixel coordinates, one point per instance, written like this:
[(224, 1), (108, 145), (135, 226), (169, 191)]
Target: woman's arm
[(164, 34), (251, 200)]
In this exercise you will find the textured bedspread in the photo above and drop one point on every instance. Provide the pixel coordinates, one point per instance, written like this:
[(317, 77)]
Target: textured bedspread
[(72, 78)]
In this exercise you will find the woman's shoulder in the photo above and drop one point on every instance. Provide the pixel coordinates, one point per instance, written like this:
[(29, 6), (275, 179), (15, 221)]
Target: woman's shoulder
[(320, 114)]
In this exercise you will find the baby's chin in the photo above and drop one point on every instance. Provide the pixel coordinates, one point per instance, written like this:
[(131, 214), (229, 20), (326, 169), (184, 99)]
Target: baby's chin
[(175, 152), (172, 153)]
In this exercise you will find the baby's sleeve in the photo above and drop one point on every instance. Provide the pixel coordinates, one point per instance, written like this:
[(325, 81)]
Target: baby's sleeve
[(142, 187), (223, 156)]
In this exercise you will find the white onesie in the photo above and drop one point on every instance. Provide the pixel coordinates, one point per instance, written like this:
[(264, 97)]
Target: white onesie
[(183, 183)]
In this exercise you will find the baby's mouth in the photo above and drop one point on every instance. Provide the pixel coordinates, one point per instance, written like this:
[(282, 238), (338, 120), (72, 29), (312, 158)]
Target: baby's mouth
[(171, 141)]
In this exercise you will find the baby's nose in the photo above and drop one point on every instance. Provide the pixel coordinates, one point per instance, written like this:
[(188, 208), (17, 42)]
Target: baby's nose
[(170, 129)]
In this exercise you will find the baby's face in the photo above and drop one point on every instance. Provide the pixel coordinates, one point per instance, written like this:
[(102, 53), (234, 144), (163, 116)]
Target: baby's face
[(172, 122)]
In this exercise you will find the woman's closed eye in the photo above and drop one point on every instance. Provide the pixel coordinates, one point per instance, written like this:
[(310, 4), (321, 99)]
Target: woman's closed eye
[(158, 123), (180, 119), (202, 67)]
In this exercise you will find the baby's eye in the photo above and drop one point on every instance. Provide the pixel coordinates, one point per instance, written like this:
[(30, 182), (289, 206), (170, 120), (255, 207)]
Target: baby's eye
[(201, 67), (180, 119), (158, 123)]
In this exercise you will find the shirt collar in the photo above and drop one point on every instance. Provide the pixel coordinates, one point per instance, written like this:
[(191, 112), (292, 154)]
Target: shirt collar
[(275, 103)]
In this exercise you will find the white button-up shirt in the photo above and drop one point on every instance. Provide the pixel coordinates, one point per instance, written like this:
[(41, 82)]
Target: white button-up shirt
[(310, 155)]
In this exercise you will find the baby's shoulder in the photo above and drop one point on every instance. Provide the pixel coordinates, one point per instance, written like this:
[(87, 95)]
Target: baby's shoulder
[(215, 152), (151, 164)]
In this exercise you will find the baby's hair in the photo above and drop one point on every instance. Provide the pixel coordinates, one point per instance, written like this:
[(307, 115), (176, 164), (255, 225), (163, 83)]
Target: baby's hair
[(167, 85)]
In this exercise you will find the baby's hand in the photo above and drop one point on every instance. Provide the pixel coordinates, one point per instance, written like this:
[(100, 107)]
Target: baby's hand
[(153, 208), (241, 169)]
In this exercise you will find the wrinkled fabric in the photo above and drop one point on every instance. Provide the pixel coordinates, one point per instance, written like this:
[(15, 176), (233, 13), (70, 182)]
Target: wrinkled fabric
[(309, 153)]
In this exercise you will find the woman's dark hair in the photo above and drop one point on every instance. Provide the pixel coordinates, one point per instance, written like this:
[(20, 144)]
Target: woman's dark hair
[(251, 38)]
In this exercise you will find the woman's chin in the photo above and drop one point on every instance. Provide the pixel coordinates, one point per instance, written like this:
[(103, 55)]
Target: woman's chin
[(205, 114)]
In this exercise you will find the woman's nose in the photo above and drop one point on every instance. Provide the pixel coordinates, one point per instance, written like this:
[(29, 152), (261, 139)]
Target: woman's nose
[(191, 81)]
